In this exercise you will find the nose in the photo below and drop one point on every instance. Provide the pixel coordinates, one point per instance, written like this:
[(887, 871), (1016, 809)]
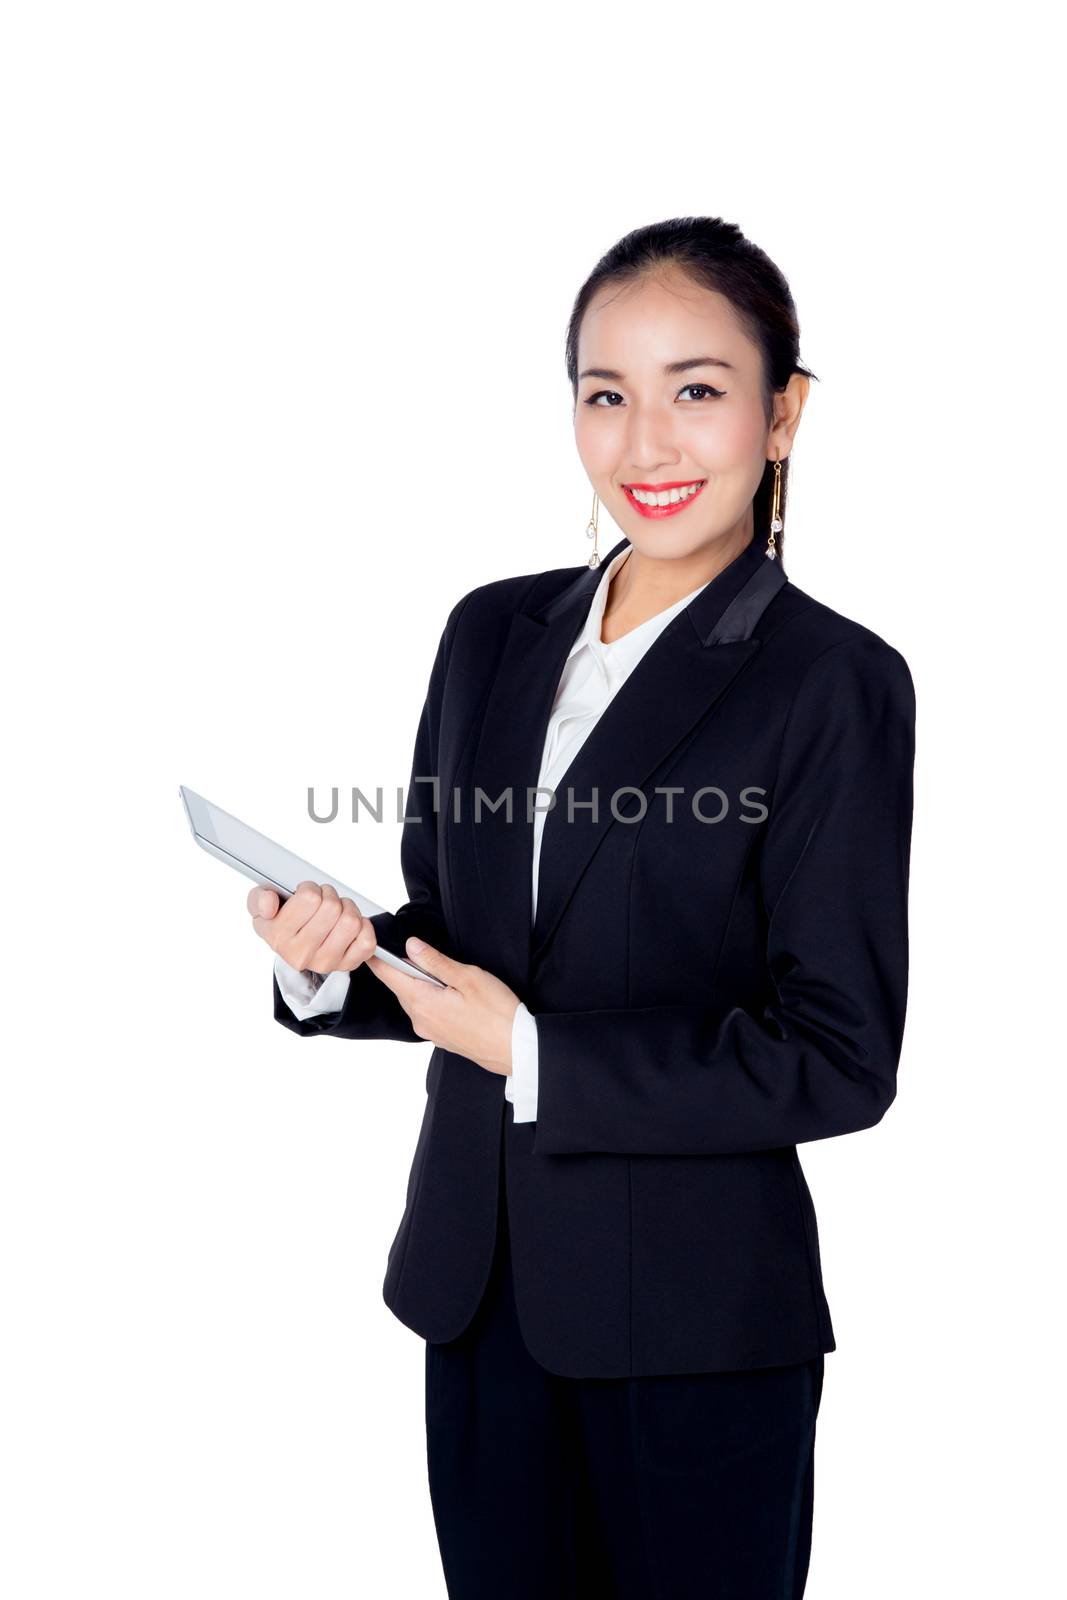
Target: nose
[(649, 446)]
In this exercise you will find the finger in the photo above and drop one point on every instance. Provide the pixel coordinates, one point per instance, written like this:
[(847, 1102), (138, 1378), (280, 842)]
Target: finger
[(263, 902), (408, 990), (399, 982), (404, 987), (308, 936), (298, 909), (303, 905), (266, 928), (361, 949), (297, 915), (436, 963), (348, 934)]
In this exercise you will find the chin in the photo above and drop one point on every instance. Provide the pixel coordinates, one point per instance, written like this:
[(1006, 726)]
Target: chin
[(663, 540)]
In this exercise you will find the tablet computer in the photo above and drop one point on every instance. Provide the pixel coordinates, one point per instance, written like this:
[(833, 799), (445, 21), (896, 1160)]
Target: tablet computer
[(270, 865)]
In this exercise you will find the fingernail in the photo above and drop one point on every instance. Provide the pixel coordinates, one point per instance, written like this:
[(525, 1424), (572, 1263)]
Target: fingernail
[(415, 945)]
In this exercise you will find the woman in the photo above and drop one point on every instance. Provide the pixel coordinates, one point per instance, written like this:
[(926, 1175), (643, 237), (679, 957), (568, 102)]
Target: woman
[(656, 846)]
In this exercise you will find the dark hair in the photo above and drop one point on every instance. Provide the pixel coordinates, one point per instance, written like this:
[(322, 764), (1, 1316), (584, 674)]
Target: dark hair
[(716, 255)]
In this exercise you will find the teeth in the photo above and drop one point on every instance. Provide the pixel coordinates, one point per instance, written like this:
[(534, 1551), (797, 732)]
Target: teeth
[(665, 497)]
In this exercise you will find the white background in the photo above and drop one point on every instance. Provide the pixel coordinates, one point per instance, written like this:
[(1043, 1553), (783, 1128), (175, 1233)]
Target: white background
[(283, 377)]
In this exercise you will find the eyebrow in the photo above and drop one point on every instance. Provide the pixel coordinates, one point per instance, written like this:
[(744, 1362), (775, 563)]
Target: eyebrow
[(671, 369)]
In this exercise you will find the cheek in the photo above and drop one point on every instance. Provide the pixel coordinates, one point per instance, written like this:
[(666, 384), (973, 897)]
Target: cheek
[(728, 442), (598, 443)]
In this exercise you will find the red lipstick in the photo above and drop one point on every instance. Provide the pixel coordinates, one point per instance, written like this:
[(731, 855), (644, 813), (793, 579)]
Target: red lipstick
[(658, 488)]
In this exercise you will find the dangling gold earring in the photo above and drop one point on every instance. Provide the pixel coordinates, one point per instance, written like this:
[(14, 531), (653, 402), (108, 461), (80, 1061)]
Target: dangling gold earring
[(591, 533), (776, 521)]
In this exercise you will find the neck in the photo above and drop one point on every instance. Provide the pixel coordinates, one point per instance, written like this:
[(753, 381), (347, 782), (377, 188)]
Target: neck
[(646, 585)]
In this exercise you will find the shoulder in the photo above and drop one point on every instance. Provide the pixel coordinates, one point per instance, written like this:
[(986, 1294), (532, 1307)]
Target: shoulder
[(486, 606), (845, 705), (821, 648), (523, 590)]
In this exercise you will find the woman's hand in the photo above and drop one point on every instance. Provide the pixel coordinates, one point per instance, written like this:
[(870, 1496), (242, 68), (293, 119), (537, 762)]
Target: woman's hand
[(471, 1018), (315, 930)]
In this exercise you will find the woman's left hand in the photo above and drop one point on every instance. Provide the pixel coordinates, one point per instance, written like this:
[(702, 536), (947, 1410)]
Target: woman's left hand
[(472, 1017)]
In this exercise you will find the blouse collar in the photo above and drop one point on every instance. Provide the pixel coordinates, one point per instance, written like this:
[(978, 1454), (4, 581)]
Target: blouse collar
[(637, 639)]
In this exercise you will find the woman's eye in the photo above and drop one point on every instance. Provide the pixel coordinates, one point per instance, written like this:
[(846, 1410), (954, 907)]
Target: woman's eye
[(613, 398)]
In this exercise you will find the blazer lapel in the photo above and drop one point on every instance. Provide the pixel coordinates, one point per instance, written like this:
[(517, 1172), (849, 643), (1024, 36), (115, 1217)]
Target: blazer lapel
[(680, 677)]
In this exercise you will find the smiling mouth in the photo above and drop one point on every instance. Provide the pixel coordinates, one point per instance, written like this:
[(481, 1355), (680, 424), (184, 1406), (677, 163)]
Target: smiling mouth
[(662, 500)]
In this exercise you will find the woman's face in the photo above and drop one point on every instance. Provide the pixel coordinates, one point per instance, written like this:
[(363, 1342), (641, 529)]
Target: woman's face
[(640, 424)]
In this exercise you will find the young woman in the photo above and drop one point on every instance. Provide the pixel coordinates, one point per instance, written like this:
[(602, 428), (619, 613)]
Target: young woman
[(656, 846)]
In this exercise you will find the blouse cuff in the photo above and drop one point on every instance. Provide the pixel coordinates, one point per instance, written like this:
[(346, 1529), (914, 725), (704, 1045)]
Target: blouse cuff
[(308, 994), (521, 1087)]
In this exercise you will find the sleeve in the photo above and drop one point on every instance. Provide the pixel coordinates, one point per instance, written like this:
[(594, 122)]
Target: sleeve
[(521, 1087), (308, 994), (822, 1056), (370, 1010)]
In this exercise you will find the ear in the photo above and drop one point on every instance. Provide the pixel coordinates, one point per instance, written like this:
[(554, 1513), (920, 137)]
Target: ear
[(788, 406)]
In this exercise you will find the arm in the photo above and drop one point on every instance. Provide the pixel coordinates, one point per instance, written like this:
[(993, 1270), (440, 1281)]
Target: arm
[(821, 1059), (370, 1010)]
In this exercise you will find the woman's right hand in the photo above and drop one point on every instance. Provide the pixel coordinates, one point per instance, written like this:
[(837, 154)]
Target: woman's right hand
[(315, 930)]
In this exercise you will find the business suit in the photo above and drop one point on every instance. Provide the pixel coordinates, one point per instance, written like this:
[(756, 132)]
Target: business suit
[(707, 995)]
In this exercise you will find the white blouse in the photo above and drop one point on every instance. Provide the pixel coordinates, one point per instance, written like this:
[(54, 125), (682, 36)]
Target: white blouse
[(592, 675)]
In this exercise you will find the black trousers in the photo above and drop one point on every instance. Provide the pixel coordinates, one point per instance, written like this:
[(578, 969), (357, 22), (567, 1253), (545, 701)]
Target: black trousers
[(689, 1486)]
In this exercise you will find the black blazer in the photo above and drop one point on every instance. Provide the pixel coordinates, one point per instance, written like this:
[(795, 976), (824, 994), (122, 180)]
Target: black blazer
[(707, 994)]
